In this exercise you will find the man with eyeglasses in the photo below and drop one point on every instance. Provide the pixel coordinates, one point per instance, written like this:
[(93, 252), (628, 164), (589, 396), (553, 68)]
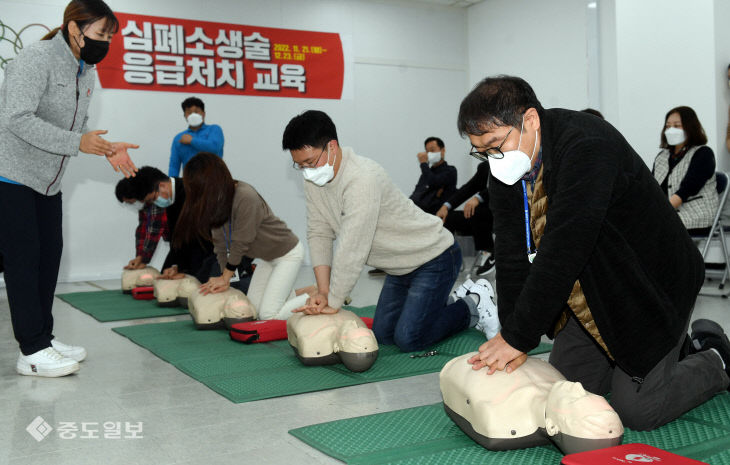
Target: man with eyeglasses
[(590, 253), (352, 200)]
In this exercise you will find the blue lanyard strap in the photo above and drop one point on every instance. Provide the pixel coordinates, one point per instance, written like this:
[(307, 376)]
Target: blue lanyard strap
[(528, 233)]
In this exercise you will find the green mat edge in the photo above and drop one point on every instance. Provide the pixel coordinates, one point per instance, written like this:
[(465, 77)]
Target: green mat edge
[(353, 381), (168, 311), (698, 451)]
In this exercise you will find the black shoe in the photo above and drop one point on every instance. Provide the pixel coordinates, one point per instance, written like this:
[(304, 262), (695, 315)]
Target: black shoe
[(486, 267), (376, 272), (707, 334)]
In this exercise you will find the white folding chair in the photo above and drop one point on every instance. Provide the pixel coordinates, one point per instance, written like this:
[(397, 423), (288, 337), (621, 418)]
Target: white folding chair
[(717, 230)]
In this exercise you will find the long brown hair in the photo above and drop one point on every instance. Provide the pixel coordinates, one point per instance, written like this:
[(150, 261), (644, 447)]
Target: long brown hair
[(209, 190), (83, 13), (692, 127)]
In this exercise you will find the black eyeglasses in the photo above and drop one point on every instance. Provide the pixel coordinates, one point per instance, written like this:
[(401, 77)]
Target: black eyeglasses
[(493, 152), (298, 167)]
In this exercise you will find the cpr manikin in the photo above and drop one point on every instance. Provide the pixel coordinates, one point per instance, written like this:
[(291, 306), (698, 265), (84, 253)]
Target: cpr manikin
[(529, 407), (175, 292), (221, 309), (138, 278), (326, 339)]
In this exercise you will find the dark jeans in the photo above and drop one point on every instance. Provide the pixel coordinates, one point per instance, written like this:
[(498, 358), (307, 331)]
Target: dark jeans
[(671, 388), (479, 226), (31, 242), (412, 311)]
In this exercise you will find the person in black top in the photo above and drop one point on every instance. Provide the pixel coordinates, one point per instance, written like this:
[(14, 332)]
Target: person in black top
[(594, 257), (438, 179), (685, 170), (476, 218)]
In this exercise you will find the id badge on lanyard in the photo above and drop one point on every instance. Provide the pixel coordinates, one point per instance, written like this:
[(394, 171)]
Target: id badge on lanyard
[(528, 234)]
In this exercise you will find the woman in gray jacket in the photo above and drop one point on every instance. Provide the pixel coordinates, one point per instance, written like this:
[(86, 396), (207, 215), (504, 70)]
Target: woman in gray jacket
[(44, 100)]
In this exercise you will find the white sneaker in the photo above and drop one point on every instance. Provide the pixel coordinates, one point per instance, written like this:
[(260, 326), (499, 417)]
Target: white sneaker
[(47, 362), (488, 316), (462, 290), (77, 353)]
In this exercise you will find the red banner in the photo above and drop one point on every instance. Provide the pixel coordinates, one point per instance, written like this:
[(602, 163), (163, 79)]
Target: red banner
[(180, 55)]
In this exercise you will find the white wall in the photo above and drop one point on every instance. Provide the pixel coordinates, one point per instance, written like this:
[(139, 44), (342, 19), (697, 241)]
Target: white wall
[(722, 59), (664, 58), (541, 42), (409, 77)]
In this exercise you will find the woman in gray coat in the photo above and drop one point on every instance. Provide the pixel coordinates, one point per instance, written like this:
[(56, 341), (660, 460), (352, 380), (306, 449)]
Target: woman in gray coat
[(44, 100)]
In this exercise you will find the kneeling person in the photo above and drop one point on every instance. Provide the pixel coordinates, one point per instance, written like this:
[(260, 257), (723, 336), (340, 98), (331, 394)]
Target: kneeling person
[(351, 199), (162, 199)]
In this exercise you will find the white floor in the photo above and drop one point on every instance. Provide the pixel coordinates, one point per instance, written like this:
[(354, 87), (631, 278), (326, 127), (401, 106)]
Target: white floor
[(183, 421)]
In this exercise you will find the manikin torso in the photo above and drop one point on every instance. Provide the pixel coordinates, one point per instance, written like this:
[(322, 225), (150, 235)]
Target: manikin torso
[(531, 406)]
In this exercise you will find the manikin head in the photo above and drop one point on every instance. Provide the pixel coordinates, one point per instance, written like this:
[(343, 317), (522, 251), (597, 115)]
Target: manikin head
[(138, 278), (221, 309), (326, 339)]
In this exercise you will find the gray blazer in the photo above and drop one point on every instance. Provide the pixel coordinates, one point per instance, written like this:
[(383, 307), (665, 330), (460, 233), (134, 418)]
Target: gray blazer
[(43, 105)]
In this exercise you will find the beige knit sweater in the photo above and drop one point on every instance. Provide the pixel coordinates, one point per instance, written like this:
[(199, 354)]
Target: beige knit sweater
[(372, 222)]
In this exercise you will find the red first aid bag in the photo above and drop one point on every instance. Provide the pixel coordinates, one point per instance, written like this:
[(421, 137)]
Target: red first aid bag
[(143, 293), (628, 454), (250, 332)]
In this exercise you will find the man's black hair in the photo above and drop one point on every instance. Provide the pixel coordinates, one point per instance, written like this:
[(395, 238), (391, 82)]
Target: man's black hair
[(146, 181), (438, 141), (192, 102), (312, 128), (496, 101)]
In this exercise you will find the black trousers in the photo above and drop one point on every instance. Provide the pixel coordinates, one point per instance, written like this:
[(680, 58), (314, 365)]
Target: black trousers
[(671, 388), (31, 242), (479, 226)]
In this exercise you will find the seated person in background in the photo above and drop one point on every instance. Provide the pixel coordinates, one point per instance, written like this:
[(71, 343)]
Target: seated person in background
[(198, 137), (685, 169), (351, 200), (436, 183), (438, 179), (162, 199), (240, 223), (476, 218)]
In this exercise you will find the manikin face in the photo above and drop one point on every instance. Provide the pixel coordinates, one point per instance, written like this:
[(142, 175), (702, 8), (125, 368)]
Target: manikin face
[(574, 411)]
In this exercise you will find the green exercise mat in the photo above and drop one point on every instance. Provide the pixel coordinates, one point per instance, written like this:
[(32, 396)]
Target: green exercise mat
[(243, 373), (115, 306), (426, 435)]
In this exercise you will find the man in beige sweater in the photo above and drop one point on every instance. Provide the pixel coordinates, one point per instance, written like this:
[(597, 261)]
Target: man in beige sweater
[(352, 200)]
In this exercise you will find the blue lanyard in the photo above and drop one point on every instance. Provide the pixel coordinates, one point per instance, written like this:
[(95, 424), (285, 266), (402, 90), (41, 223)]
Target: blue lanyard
[(528, 233), (227, 237)]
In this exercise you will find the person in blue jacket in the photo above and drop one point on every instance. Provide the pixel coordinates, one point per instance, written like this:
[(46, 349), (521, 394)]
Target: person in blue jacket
[(198, 137)]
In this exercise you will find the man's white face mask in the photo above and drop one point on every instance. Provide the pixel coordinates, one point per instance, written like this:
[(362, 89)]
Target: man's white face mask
[(194, 120), (322, 174), (433, 158), (675, 136), (515, 163)]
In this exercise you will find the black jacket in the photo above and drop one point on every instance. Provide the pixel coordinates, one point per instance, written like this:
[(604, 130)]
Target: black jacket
[(608, 225), (434, 186), (476, 185), (190, 257)]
